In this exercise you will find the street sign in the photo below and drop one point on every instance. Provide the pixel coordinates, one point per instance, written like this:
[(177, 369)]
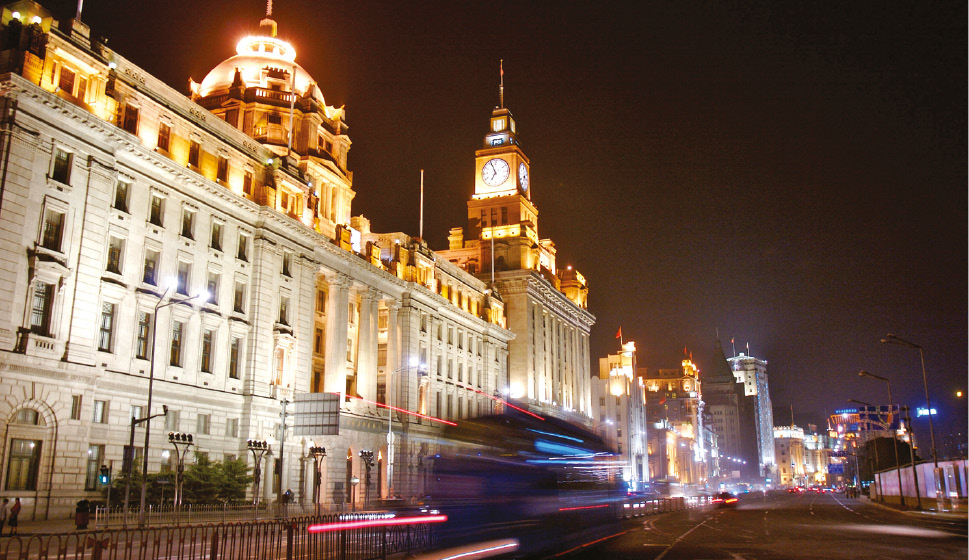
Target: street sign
[(877, 417), (836, 468), (317, 414)]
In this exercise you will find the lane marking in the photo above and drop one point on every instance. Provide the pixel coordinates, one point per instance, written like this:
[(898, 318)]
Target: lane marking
[(680, 538)]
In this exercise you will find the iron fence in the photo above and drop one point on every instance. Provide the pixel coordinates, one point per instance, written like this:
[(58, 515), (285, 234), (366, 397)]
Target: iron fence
[(282, 539)]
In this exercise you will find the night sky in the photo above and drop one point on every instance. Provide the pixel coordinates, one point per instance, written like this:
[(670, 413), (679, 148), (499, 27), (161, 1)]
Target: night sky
[(792, 174)]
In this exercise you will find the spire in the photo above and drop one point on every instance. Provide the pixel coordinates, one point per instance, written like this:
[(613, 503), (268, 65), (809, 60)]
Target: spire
[(268, 23), (501, 82)]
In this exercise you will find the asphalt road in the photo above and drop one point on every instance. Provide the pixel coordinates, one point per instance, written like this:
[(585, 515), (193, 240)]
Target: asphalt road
[(783, 527)]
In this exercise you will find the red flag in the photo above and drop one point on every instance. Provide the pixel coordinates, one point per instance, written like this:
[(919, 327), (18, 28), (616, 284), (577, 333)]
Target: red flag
[(619, 334), (731, 340), (684, 351)]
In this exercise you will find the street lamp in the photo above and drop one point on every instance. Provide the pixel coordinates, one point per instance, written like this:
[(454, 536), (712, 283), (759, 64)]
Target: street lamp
[(413, 362), (875, 445), (258, 449), (367, 457), (318, 453), (353, 492), (129, 462), (891, 408), (185, 440), (171, 285), (939, 494)]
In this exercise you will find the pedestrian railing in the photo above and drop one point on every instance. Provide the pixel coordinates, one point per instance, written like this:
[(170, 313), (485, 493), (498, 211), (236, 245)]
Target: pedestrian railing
[(284, 539), (637, 507), (194, 514)]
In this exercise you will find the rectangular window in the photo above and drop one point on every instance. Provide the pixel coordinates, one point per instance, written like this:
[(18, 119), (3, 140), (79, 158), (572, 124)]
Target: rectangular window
[(155, 210), (66, 83), (137, 411), (232, 427), (121, 189), (164, 137), (130, 123), (504, 216), (175, 357), (150, 273), (212, 287), (23, 465), (239, 298), (100, 413), (188, 224), (318, 341), (234, 350), (142, 344), (222, 175), (287, 264), (243, 250), (207, 338), (203, 423), (247, 183), (194, 150), (172, 420), (107, 327), (95, 454), (284, 311), (216, 238), (76, 407), (183, 275), (320, 301), (53, 230), (115, 255), (40, 312)]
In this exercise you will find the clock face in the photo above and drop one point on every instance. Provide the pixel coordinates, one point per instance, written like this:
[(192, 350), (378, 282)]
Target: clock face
[(494, 172), (523, 176)]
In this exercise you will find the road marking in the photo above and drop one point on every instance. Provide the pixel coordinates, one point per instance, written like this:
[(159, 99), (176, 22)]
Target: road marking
[(680, 538)]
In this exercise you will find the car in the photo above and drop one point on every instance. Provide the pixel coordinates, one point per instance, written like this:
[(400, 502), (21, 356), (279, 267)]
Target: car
[(724, 500)]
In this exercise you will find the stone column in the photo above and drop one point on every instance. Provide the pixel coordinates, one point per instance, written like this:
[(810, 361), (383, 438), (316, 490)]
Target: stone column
[(367, 346), (337, 304)]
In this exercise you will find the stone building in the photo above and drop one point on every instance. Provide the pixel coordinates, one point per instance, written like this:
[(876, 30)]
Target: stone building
[(619, 399), (113, 183), (546, 305)]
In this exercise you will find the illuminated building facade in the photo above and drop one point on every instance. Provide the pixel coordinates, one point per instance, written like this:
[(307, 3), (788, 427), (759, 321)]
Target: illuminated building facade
[(114, 182), (674, 396), (730, 414), (619, 399), (546, 306), (789, 450), (751, 374)]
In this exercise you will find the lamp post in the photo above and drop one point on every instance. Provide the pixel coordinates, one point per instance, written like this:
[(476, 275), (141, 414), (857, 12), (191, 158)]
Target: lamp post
[(939, 494), (390, 426), (353, 492), (185, 441), (891, 409), (911, 452), (258, 448), (129, 462), (875, 445), (318, 454), (172, 284), (367, 457)]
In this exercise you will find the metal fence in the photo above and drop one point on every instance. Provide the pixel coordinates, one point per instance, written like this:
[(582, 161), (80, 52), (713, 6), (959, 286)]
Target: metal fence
[(283, 539), (193, 514)]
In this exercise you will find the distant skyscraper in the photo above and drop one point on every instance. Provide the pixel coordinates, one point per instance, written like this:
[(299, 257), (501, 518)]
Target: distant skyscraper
[(751, 373), (618, 398)]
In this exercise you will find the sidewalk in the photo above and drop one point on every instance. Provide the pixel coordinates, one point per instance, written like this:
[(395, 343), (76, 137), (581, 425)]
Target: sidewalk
[(959, 510)]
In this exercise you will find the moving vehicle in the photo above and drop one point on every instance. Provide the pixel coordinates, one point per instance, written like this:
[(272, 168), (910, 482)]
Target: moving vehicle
[(724, 500)]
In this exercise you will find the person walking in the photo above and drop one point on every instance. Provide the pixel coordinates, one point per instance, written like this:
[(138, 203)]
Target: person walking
[(3, 514), (14, 514)]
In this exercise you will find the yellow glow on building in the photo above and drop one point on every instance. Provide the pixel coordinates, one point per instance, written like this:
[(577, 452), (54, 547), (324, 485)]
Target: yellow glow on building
[(501, 231)]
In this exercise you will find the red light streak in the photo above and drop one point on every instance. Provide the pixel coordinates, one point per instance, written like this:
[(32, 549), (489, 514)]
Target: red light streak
[(584, 507), (376, 523), (503, 401), (431, 418), (563, 553)]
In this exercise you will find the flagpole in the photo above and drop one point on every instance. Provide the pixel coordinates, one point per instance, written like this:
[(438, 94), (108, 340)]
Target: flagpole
[(734, 347), (421, 230)]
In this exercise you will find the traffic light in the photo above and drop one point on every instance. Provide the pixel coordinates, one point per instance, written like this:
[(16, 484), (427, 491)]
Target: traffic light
[(105, 476)]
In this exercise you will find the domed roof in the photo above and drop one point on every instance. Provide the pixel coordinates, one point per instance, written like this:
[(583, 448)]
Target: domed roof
[(258, 59)]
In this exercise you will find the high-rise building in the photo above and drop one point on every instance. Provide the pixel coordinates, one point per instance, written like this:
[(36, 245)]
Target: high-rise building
[(548, 360), (113, 182), (751, 373), (619, 402), (673, 397), (731, 416)]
